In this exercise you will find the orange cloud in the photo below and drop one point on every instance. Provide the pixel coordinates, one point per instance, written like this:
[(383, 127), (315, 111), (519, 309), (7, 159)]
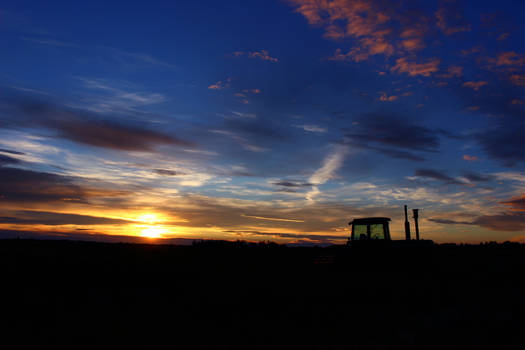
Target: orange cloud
[(518, 79), (220, 84), (470, 158), (510, 58), (516, 203), (453, 71), (413, 68), (370, 24), (385, 98), (475, 85), (447, 21)]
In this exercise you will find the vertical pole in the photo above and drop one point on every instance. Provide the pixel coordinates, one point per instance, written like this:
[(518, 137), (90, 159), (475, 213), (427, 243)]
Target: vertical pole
[(416, 216), (407, 225)]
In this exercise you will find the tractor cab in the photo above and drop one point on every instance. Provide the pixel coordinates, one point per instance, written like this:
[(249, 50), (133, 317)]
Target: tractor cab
[(370, 229)]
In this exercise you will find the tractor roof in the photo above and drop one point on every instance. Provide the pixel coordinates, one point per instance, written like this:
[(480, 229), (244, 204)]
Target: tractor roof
[(373, 220)]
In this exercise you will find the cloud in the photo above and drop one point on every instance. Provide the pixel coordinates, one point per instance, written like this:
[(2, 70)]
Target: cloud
[(262, 54), (518, 79), (403, 65), (502, 222), (20, 186), (292, 184), (270, 218), (516, 203), (87, 128), (241, 140), (5, 160), (385, 98), (475, 85), (220, 85), (28, 217), (50, 42), (331, 164), (509, 58), (165, 172), (504, 142), (136, 58), (244, 115), (470, 158), (450, 21), (451, 72), (383, 132), (472, 177), (437, 175), (311, 128)]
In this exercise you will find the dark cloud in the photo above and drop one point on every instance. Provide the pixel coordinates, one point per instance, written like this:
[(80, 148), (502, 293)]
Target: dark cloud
[(517, 203), (505, 142), (502, 222), (478, 177), (507, 222), (292, 184), (50, 218), (437, 175), (90, 236), (8, 160), (502, 139), (449, 222), (3, 150), (165, 172), (394, 136), (317, 238), (82, 126), (19, 185)]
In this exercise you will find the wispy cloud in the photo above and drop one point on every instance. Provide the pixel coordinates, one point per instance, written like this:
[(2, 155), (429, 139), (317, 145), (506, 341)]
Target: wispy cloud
[(403, 65), (50, 42), (311, 128), (138, 58), (241, 140), (270, 219), (262, 54), (475, 85), (116, 96), (331, 164)]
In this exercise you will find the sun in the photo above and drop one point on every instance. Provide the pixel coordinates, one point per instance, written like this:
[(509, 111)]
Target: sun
[(152, 232)]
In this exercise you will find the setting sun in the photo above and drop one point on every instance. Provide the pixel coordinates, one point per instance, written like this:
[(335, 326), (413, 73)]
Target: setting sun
[(152, 232)]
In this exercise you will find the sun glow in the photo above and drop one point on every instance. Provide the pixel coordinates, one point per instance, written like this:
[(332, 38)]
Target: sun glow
[(152, 232), (150, 227), (149, 218)]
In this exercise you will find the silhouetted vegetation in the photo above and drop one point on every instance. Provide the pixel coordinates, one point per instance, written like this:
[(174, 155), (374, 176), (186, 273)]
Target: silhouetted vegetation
[(217, 294)]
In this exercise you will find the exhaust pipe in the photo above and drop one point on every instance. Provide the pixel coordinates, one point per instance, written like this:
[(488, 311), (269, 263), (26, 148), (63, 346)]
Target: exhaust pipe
[(407, 225), (416, 216)]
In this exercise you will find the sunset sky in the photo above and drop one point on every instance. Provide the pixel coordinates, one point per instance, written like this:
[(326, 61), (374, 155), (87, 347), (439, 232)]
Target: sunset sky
[(261, 119)]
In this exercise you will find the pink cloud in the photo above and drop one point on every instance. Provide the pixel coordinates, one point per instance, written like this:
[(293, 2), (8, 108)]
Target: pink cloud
[(452, 71), (475, 85), (220, 84), (450, 22), (414, 69), (518, 79), (470, 158)]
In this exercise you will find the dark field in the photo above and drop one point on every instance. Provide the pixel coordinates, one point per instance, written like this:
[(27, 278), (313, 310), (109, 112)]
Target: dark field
[(232, 295)]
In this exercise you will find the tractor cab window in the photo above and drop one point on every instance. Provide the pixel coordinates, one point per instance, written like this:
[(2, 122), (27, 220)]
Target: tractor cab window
[(376, 231), (360, 232)]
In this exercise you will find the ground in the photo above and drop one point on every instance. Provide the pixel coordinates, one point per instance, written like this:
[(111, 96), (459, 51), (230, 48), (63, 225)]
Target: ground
[(262, 296)]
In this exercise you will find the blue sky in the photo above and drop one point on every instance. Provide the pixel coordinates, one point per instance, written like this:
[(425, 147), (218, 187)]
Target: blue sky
[(262, 120)]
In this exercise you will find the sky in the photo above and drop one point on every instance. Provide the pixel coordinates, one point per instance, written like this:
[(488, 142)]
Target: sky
[(259, 120)]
